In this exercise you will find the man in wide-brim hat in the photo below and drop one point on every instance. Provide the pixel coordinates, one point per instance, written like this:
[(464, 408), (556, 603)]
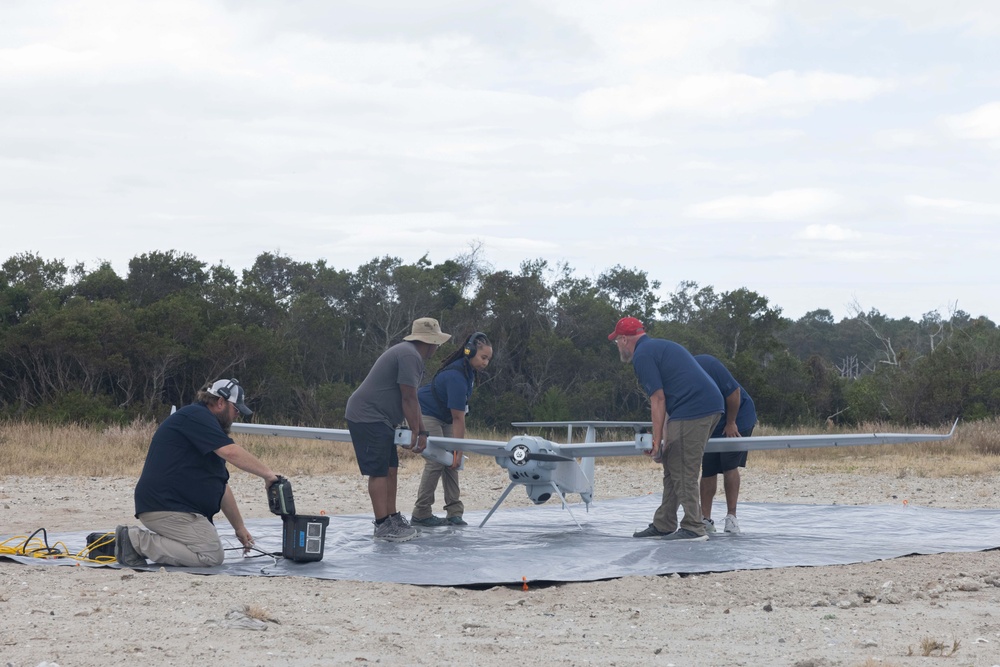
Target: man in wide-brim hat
[(386, 397)]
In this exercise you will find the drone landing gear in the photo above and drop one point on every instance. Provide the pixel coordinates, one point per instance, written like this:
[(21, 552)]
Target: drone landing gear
[(507, 491), (497, 503), (566, 505)]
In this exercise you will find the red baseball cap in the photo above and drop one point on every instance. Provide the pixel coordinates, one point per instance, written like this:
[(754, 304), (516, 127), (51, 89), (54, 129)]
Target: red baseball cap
[(627, 326)]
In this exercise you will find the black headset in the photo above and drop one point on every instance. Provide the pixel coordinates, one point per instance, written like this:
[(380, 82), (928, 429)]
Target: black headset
[(227, 391), (472, 345)]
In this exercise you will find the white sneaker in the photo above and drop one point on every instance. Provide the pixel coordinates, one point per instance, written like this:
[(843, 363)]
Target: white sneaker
[(709, 525), (732, 525)]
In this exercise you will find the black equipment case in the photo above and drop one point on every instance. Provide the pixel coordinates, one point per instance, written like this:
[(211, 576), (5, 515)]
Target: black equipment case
[(302, 537)]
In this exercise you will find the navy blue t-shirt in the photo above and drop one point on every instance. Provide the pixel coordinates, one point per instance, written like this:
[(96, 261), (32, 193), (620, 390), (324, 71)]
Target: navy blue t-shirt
[(746, 418), (450, 390), (689, 392), (182, 472)]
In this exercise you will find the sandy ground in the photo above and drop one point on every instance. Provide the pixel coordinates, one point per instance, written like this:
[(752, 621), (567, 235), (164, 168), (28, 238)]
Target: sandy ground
[(884, 613)]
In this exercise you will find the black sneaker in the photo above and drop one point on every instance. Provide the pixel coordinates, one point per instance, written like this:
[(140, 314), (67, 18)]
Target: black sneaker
[(650, 531), (100, 544), (687, 535), (125, 553), (428, 521), (457, 520)]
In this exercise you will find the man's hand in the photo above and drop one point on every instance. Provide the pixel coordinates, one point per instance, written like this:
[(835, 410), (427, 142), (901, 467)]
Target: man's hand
[(730, 431), (246, 539), (418, 443), (657, 452)]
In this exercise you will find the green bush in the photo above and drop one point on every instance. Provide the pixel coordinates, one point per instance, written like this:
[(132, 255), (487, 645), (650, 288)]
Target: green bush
[(77, 407)]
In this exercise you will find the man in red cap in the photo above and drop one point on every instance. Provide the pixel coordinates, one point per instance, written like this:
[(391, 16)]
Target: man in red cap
[(685, 404)]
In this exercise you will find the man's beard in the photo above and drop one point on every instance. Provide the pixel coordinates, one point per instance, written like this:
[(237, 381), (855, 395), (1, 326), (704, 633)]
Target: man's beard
[(225, 421), (625, 354)]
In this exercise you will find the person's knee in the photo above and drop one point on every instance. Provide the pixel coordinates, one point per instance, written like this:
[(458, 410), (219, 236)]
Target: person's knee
[(212, 558)]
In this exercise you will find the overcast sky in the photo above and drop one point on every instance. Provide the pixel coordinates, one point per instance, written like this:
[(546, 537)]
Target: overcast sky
[(819, 153)]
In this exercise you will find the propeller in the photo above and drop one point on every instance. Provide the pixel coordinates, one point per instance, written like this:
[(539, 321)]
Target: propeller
[(522, 454)]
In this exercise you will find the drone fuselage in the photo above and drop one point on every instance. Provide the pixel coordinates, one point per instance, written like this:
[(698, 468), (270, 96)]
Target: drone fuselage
[(538, 476)]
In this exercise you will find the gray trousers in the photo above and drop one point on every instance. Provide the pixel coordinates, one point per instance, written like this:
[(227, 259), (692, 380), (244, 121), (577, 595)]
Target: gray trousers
[(434, 471), (686, 440), (177, 538)]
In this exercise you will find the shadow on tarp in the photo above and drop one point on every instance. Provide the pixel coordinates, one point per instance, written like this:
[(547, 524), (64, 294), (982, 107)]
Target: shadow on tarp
[(544, 544)]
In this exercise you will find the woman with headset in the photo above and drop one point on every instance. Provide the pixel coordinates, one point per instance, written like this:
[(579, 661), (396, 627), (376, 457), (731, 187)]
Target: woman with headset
[(444, 402)]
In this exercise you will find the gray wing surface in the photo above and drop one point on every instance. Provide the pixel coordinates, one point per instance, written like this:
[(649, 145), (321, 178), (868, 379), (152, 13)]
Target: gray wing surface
[(484, 447), (763, 442), (335, 434), (621, 448)]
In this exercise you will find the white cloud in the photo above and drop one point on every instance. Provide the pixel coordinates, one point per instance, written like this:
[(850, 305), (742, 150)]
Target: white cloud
[(782, 205), (959, 206), (724, 95), (579, 130), (827, 233), (975, 17), (901, 139), (982, 123), (651, 33)]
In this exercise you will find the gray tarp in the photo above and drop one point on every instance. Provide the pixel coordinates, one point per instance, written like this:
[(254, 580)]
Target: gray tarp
[(544, 544)]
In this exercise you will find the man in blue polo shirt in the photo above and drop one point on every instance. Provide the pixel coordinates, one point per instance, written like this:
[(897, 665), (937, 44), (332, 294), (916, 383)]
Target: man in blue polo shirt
[(685, 405), (184, 484), (739, 420)]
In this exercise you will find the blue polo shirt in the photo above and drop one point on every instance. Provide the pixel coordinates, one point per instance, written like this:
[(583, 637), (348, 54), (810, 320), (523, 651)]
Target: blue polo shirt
[(450, 390), (182, 472), (663, 364), (746, 418)]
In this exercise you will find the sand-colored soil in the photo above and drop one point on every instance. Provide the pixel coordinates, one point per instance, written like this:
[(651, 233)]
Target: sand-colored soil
[(884, 613)]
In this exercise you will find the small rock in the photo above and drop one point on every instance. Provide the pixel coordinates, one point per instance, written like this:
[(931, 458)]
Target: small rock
[(869, 643), (237, 619), (768, 607), (968, 585)]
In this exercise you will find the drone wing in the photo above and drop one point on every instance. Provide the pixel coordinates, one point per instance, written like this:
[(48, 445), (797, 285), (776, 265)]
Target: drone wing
[(751, 443), (335, 434), (484, 447), (621, 448), (805, 441)]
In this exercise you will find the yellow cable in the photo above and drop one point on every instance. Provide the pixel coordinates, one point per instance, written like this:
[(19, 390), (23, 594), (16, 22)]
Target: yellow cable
[(34, 547)]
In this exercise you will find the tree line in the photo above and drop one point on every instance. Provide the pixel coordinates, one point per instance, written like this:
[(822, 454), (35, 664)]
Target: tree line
[(92, 346)]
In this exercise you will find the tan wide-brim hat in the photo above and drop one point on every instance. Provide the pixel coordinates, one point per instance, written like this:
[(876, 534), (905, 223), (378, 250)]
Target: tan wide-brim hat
[(427, 330)]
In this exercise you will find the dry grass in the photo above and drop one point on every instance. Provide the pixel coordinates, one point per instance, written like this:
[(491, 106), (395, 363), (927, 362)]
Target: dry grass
[(38, 450), (258, 612), (932, 647)]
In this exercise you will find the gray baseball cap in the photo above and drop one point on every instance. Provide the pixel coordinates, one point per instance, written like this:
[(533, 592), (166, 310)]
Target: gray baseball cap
[(232, 392)]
